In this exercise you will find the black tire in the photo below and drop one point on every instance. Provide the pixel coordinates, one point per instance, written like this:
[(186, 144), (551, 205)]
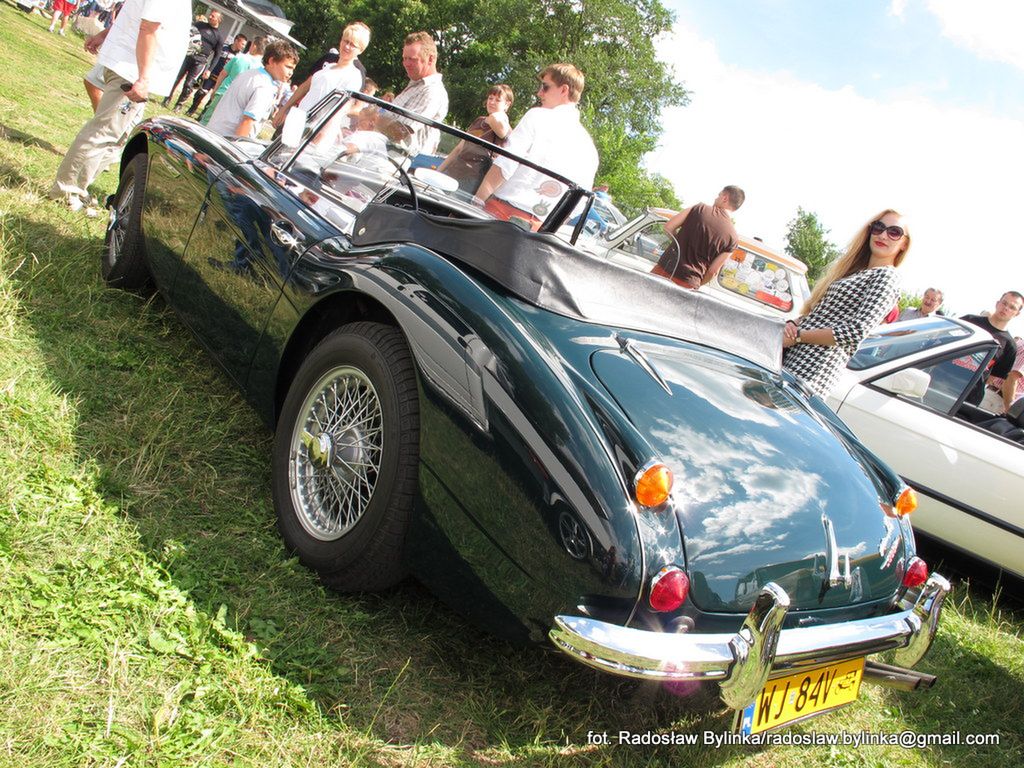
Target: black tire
[(344, 496), (124, 249)]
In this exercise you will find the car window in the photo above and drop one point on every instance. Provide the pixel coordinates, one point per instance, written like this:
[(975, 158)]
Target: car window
[(760, 278), (897, 340), (950, 377), (608, 212), (648, 243)]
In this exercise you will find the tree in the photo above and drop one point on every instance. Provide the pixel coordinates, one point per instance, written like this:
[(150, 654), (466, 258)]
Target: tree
[(479, 44), (909, 300), (806, 241)]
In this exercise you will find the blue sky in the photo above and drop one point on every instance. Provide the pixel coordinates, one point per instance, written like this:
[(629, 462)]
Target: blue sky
[(846, 108), (858, 43)]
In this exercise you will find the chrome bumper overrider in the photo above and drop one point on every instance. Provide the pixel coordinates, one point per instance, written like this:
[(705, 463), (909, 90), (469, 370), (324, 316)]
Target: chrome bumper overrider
[(743, 662)]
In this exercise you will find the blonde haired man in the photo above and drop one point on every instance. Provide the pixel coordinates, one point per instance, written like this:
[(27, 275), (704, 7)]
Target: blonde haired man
[(550, 135)]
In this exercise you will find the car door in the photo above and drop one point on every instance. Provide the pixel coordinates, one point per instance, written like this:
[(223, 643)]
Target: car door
[(970, 481), (178, 177), (248, 235)]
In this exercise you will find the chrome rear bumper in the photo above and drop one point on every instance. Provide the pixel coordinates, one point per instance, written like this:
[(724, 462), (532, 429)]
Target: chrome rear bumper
[(743, 662)]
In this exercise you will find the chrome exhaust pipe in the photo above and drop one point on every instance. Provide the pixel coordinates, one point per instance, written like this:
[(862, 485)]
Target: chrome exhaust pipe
[(896, 677)]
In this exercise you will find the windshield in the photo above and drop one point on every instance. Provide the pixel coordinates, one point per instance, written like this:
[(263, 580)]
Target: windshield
[(354, 150), (901, 339)]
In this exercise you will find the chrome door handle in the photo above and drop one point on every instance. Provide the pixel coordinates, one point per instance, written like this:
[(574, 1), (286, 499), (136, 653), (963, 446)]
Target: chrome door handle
[(284, 235)]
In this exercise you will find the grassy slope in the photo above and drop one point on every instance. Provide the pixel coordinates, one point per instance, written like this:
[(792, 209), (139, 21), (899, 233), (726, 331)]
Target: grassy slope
[(149, 615)]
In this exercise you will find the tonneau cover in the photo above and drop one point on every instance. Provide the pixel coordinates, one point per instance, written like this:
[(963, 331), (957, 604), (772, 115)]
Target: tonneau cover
[(549, 273)]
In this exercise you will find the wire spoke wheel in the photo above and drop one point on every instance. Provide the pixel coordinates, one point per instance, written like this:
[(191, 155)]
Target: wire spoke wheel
[(335, 453), (346, 457)]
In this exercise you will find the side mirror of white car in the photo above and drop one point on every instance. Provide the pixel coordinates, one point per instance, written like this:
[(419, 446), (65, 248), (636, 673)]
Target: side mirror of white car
[(909, 382)]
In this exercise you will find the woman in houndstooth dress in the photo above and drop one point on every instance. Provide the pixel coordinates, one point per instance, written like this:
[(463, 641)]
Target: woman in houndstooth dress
[(850, 300)]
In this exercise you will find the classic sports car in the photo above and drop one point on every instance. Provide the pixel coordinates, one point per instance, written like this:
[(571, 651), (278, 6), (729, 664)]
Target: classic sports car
[(905, 395), (563, 448)]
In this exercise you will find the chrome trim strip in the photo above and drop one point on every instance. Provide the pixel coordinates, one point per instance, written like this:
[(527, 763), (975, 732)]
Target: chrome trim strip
[(985, 517), (759, 650)]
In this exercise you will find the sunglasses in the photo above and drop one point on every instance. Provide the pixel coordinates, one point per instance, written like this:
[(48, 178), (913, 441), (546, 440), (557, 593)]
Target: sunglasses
[(545, 87), (894, 232)]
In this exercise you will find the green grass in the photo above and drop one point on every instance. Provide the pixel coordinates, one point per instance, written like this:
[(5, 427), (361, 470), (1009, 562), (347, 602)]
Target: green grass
[(149, 615)]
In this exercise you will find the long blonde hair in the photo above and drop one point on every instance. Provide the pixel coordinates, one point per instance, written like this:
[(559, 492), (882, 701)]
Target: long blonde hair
[(856, 258)]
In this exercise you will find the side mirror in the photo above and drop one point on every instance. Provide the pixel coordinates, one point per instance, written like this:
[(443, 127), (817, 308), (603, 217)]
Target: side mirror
[(909, 382)]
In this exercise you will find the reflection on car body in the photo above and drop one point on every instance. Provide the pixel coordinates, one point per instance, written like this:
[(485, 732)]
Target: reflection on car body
[(502, 414)]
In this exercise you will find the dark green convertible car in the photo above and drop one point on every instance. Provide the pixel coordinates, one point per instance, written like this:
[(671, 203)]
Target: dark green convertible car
[(567, 450)]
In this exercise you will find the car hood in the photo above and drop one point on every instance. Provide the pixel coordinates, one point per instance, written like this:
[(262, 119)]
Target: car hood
[(759, 480)]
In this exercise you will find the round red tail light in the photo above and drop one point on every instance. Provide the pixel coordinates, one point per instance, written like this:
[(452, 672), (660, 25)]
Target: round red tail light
[(669, 589), (917, 573)]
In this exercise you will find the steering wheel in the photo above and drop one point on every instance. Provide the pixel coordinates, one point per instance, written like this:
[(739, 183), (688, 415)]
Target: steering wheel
[(387, 191)]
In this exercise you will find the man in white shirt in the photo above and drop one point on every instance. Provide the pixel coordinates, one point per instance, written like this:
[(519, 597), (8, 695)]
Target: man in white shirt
[(425, 95), (551, 136), (252, 95), (140, 54), (930, 302)]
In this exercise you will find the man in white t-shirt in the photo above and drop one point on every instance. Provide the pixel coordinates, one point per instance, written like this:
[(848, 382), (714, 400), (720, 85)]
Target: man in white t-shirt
[(551, 136), (252, 95), (139, 53)]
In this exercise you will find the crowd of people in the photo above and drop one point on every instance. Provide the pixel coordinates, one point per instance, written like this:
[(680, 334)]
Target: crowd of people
[(859, 292), (92, 16), (153, 47)]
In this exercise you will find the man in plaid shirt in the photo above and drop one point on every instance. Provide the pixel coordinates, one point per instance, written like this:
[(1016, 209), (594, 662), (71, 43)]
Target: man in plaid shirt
[(425, 95)]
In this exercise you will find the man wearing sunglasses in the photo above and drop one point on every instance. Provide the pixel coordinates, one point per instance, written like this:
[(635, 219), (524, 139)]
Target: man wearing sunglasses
[(551, 136), (990, 397)]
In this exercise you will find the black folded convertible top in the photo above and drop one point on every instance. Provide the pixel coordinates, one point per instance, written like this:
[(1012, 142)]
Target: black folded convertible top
[(549, 273)]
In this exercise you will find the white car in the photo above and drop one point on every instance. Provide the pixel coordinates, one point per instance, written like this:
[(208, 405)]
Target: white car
[(904, 395), (756, 278)]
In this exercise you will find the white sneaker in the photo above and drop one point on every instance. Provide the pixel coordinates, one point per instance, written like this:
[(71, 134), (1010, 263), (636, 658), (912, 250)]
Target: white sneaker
[(61, 32), (75, 203)]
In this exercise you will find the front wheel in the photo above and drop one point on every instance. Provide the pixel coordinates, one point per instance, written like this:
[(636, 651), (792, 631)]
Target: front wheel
[(345, 457), (124, 252)]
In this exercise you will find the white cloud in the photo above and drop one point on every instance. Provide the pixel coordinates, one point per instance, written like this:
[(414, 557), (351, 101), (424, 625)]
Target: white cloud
[(897, 8), (989, 28), (788, 143)]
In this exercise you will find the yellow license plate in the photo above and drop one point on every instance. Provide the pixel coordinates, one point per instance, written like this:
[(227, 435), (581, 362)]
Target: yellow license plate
[(795, 697)]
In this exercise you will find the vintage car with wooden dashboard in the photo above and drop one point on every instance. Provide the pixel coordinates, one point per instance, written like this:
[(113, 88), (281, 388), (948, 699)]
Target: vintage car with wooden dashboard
[(567, 450)]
